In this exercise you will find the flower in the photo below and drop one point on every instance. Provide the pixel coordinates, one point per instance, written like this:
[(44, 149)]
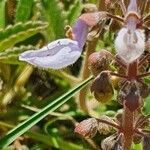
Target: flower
[(130, 45), (64, 52), (130, 42)]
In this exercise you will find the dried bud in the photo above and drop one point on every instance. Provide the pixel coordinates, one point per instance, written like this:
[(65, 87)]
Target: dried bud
[(102, 87), (147, 47), (133, 99), (103, 128), (118, 118), (144, 90), (112, 142), (87, 128), (99, 61), (146, 143), (124, 89), (137, 139)]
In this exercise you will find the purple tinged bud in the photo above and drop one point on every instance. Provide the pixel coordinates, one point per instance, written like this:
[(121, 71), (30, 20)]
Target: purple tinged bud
[(87, 128), (113, 142), (133, 99), (102, 87), (99, 61)]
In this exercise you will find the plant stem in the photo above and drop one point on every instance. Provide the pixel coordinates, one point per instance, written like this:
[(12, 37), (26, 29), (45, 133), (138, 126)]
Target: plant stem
[(85, 74), (128, 129), (114, 125), (143, 75), (140, 122)]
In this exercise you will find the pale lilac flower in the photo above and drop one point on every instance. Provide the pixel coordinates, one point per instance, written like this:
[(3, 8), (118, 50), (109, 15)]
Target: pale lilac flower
[(63, 52), (130, 46), (60, 53), (130, 42)]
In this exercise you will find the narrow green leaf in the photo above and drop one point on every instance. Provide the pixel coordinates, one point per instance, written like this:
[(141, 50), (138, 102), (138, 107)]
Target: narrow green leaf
[(26, 125), (23, 11), (48, 140), (19, 32), (74, 11), (53, 14), (2, 13), (61, 144)]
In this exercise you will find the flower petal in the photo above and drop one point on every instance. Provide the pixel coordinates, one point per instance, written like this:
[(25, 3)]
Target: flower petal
[(56, 55), (130, 46), (80, 31), (133, 6)]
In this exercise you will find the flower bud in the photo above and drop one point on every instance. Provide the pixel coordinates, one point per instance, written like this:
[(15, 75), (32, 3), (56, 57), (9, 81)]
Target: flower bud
[(118, 118), (124, 89), (144, 90), (89, 8), (99, 61), (102, 87), (103, 128), (112, 142), (146, 143), (133, 99), (137, 139), (87, 128)]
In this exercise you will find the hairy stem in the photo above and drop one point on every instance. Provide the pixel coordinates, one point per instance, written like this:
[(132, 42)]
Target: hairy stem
[(128, 129), (85, 74)]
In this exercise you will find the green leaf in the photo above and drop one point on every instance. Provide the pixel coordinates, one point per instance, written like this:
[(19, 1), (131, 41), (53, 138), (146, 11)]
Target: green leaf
[(74, 11), (48, 140), (55, 142), (53, 14), (2, 13), (19, 32), (23, 11), (26, 125)]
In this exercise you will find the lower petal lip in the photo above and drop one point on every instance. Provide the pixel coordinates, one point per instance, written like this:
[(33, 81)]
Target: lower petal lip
[(56, 55)]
